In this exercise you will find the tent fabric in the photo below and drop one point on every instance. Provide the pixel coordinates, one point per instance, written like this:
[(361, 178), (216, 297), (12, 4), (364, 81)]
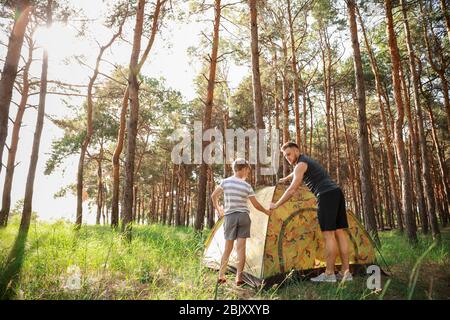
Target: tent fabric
[(288, 241)]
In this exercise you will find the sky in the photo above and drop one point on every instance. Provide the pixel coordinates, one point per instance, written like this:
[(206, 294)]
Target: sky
[(168, 59)]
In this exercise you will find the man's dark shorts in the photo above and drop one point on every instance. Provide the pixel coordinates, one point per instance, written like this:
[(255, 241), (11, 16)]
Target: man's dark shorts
[(331, 210), (236, 225)]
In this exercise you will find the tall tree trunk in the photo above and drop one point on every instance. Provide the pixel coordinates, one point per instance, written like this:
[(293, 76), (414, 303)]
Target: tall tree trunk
[(99, 186), (116, 162), (446, 13), (365, 169), (173, 183), (277, 106), (441, 162), (416, 185), (426, 173), (387, 137), (22, 12), (311, 121), (27, 204), (351, 171), (440, 69), (178, 196), (336, 138), (210, 204), (257, 89), (133, 87), (403, 162), (226, 166), (164, 195), (295, 76), (123, 113), (10, 167), (385, 182), (201, 201), (305, 111), (89, 127), (326, 68)]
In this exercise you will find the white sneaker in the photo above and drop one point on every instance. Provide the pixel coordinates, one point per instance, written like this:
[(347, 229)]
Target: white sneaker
[(323, 277), (346, 277)]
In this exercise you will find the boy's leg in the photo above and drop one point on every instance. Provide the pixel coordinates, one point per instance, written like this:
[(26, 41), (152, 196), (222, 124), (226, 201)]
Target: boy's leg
[(240, 247), (225, 256), (330, 250), (342, 239)]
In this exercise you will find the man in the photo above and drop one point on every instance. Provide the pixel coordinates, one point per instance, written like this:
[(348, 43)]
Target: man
[(237, 221), (331, 208)]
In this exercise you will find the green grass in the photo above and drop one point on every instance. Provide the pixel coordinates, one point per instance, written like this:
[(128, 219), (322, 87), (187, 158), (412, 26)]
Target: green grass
[(164, 263)]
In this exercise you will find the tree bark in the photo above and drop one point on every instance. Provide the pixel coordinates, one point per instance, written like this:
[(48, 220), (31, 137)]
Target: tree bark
[(99, 186), (445, 12), (201, 201), (425, 172), (440, 69), (351, 171), (173, 182), (27, 205), (363, 141), (10, 67), (256, 81), (416, 181), (403, 162), (89, 127), (133, 89), (10, 166), (123, 113), (440, 157), (295, 76), (387, 137)]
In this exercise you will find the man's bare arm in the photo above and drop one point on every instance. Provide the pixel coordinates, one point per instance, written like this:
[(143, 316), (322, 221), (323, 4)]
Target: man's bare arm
[(287, 178), (299, 171)]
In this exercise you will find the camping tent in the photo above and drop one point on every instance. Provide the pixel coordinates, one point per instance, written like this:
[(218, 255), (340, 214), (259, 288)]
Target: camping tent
[(288, 240)]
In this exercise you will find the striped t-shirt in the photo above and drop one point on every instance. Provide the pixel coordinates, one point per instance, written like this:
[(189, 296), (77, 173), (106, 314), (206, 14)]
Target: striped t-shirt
[(236, 192)]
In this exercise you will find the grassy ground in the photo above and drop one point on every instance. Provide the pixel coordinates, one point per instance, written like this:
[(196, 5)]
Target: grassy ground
[(164, 263)]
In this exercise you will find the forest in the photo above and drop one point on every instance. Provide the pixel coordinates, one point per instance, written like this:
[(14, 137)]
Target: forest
[(360, 86)]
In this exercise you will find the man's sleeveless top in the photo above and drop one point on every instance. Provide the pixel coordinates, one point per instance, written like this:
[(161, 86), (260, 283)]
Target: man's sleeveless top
[(316, 177)]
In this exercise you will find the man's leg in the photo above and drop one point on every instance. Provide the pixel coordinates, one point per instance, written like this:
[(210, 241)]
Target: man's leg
[(240, 247), (342, 239), (225, 256), (330, 250)]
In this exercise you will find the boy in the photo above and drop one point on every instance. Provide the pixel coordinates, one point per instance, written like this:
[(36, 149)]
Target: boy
[(237, 222)]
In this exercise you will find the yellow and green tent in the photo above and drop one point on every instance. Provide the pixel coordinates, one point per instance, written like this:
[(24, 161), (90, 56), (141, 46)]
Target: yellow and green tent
[(288, 241)]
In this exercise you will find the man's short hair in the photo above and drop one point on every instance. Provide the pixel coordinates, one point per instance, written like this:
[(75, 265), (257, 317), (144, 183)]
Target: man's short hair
[(289, 145), (239, 164)]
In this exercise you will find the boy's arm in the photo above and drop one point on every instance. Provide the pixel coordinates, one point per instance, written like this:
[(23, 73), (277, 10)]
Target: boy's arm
[(258, 205), (215, 200)]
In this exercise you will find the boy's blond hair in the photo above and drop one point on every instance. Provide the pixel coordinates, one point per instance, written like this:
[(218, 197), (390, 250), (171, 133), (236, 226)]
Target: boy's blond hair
[(239, 164)]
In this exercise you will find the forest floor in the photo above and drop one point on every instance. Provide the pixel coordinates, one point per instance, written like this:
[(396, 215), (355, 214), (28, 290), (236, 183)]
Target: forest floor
[(164, 263)]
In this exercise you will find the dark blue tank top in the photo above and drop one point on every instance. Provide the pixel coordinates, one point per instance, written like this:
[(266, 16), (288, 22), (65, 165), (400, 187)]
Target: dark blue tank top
[(316, 177)]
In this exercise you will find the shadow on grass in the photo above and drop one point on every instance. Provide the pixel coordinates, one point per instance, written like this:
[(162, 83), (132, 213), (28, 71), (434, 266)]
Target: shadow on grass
[(10, 271)]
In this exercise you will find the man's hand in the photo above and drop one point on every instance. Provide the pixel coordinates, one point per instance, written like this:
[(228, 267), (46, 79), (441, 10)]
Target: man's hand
[(268, 212), (273, 206), (284, 180)]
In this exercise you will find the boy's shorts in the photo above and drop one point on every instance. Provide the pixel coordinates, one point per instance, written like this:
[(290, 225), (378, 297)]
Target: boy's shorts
[(236, 225), (331, 210)]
